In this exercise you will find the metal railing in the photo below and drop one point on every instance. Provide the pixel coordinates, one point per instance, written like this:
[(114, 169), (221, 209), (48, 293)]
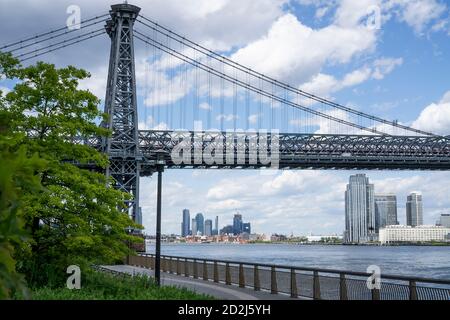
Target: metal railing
[(313, 283)]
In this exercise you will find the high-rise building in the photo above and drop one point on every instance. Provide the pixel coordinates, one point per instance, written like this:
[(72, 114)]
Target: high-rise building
[(246, 227), (385, 210), (200, 223), (185, 226), (414, 210), (208, 228), (237, 224), (216, 226), (445, 220), (359, 210), (194, 227)]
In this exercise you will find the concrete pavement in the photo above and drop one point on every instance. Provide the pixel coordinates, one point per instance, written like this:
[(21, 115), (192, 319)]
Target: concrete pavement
[(217, 290)]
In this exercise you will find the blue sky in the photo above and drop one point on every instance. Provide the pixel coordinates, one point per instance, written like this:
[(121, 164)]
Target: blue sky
[(399, 71)]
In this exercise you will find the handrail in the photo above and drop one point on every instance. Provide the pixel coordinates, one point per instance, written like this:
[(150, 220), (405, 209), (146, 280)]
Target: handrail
[(322, 270)]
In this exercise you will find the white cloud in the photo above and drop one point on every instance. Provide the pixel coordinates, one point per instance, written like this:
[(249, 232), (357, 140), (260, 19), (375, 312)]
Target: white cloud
[(435, 117), (294, 52), (351, 13), (5, 90), (205, 106), (97, 82), (382, 67), (253, 118), (227, 117), (324, 84), (417, 13), (150, 124)]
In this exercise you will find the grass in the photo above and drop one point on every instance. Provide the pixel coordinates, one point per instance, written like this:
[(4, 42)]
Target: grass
[(102, 286)]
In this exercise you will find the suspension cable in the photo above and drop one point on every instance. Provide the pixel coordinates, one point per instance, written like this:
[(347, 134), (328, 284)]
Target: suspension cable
[(236, 81), (50, 32), (77, 39), (256, 74), (56, 36)]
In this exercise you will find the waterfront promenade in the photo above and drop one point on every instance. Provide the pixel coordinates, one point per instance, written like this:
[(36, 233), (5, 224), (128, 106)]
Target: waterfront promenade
[(217, 290), (296, 282)]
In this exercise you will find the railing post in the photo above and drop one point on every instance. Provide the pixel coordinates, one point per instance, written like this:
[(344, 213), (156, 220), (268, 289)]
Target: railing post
[(294, 292), (316, 286), (273, 282), (241, 276), (170, 265), (342, 287), (256, 283), (216, 272), (186, 268), (152, 262), (205, 271), (195, 269), (178, 267), (227, 274), (375, 294), (412, 290)]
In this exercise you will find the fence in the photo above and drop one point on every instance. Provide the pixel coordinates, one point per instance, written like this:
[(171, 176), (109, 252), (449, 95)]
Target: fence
[(298, 282)]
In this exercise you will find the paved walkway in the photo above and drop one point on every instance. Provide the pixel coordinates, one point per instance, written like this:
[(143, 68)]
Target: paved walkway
[(217, 290)]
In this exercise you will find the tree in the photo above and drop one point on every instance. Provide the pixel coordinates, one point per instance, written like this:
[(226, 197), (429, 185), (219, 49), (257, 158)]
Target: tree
[(17, 174), (77, 217)]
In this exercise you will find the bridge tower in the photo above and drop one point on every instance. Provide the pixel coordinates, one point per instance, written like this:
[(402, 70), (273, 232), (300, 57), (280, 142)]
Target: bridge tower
[(122, 147)]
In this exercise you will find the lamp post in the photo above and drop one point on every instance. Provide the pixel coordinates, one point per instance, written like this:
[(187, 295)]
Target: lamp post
[(160, 163)]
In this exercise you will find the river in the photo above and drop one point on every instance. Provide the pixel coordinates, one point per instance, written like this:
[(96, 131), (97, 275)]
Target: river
[(419, 261)]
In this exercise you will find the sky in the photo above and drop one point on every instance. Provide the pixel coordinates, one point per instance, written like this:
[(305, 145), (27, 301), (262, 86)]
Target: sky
[(390, 58)]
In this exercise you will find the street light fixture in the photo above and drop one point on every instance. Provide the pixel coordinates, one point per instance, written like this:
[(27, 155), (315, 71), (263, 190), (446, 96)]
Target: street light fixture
[(160, 164)]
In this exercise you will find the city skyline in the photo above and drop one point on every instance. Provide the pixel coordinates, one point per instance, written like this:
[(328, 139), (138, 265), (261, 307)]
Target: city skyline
[(297, 189), (199, 225)]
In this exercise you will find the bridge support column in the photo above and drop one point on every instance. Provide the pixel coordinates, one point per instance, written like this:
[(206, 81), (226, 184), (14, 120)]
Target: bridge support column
[(122, 147)]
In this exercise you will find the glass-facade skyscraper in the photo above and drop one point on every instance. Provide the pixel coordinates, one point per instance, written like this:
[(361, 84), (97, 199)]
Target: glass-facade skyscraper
[(237, 224), (208, 228), (414, 210), (385, 210), (194, 227), (359, 210), (200, 223), (186, 224)]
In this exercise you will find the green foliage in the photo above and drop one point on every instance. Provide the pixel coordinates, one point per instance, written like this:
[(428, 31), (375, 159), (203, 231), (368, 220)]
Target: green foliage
[(101, 286), (76, 217), (17, 174)]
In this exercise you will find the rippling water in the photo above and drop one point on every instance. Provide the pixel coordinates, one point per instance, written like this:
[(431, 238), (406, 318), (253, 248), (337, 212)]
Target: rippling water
[(420, 261)]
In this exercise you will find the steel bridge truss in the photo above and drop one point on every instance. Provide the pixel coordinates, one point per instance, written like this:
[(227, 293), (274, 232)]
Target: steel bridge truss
[(296, 151)]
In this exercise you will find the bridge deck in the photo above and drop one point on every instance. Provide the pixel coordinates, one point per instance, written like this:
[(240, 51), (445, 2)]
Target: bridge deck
[(297, 151)]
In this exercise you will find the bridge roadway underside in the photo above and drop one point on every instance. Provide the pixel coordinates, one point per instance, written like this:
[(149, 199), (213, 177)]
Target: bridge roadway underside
[(296, 151)]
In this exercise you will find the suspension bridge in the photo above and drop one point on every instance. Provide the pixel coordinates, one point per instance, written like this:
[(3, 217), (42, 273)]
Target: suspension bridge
[(186, 84)]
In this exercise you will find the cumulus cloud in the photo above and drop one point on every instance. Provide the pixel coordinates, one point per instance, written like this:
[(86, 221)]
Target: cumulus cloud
[(324, 84), (295, 52), (435, 117), (417, 13)]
